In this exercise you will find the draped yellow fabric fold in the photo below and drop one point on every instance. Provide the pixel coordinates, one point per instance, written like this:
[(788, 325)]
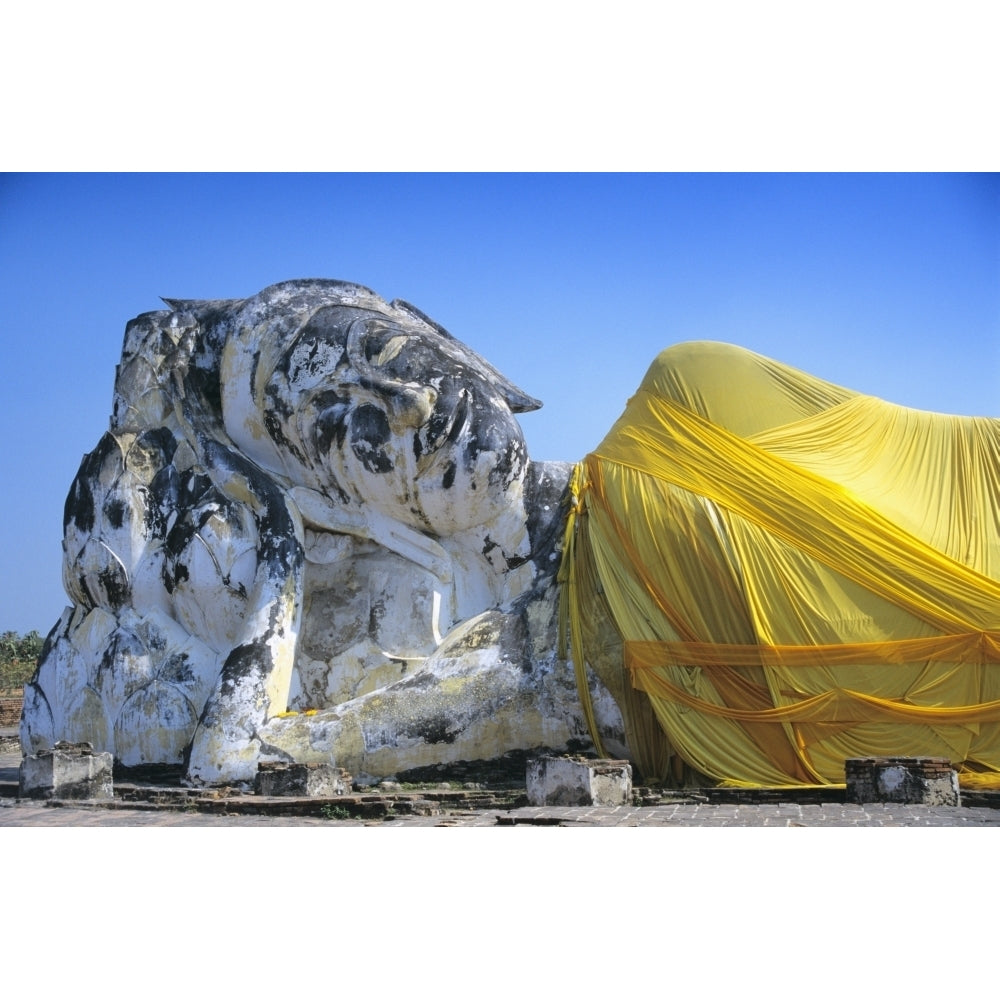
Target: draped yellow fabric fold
[(569, 618), (799, 574)]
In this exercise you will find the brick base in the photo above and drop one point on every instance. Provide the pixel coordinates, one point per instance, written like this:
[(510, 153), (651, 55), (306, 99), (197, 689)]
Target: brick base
[(67, 771), (575, 781), (928, 781), (314, 780)]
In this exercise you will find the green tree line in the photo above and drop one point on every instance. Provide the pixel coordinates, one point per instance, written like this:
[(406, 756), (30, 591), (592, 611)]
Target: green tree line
[(18, 658)]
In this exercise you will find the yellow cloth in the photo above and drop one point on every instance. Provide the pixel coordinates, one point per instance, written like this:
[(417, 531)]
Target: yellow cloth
[(800, 574)]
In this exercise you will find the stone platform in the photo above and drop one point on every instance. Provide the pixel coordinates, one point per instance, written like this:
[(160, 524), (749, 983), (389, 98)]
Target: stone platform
[(149, 804)]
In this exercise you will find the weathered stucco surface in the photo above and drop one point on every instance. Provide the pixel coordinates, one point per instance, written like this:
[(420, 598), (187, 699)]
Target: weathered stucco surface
[(311, 533)]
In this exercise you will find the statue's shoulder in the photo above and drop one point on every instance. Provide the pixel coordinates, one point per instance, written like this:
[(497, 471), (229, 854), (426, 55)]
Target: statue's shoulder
[(738, 389)]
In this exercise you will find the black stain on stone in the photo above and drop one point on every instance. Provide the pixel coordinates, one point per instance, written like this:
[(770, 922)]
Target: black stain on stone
[(243, 662), (124, 646), (434, 731), (273, 424), (202, 382), (161, 501), (114, 511), (176, 573), (81, 505), (375, 616), (547, 501), (370, 433), (459, 416), (278, 551), (115, 585), (331, 424), (160, 440)]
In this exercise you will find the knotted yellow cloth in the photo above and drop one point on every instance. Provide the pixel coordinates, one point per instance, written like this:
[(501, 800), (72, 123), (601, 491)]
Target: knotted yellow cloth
[(799, 573)]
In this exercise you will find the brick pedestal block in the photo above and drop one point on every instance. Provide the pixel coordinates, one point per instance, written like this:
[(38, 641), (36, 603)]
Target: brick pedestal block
[(313, 780), (927, 781), (576, 781), (67, 771)]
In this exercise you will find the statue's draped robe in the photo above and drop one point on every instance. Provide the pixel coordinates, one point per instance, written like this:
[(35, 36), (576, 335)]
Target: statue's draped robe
[(800, 574)]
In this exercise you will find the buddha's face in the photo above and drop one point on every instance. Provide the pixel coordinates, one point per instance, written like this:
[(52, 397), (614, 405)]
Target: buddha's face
[(382, 412)]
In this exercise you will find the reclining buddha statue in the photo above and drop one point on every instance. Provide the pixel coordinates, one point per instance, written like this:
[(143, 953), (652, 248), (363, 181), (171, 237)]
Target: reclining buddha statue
[(313, 533)]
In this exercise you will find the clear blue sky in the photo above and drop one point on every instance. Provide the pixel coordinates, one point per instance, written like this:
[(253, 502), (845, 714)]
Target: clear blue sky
[(570, 284)]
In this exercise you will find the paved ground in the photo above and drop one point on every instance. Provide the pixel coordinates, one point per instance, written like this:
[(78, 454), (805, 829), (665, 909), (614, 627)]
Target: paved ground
[(18, 813), (15, 812)]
